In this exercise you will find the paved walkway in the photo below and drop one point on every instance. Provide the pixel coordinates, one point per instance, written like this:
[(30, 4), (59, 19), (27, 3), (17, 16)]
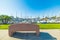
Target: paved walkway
[(55, 33), (45, 34)]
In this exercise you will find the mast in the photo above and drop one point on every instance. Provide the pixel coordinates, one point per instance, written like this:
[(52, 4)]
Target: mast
[(21, 14)]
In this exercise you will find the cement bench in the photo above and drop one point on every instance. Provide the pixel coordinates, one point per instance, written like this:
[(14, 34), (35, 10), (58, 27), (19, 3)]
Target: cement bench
[(23, 27)]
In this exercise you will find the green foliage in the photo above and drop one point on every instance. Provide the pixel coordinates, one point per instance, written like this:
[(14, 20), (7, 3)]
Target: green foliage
[(5, 19), (54, 17)]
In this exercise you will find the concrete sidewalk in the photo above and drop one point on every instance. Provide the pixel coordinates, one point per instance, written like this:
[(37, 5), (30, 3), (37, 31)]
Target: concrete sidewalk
[(53, 32)]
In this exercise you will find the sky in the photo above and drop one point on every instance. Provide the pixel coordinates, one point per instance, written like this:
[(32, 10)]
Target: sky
[(30, 8)]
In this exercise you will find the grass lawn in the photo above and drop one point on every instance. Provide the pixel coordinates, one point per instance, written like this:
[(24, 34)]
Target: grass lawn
[(42, 26), (4, 26), (49, 26)]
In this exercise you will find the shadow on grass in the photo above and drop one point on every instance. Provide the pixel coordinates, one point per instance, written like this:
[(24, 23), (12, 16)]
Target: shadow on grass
[(32, 36)]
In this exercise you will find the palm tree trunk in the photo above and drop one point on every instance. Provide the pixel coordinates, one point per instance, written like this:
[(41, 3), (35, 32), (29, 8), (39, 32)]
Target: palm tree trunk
[(6, 21)]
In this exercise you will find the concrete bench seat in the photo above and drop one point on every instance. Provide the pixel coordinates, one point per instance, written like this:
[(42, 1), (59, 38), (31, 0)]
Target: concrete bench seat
[(23, 27)]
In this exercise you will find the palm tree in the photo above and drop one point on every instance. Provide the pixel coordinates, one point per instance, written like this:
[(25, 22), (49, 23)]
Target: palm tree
[(54, 17), (5, 19), (46, 18)]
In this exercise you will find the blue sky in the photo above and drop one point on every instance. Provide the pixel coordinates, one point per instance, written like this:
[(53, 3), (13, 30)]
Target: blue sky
[(28, 8)]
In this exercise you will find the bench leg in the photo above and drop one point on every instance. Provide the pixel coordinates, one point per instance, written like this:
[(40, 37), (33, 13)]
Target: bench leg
[(37, 32), (11, 33)]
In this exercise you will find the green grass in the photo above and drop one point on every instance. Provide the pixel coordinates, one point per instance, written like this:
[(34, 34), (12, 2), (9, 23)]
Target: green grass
[(41, 26), (49, 26), (4, 26)]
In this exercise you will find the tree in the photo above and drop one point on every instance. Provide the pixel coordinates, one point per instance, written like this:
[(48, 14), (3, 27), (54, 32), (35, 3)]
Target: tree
[(5, 19), (46, 18), (54, 17)]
